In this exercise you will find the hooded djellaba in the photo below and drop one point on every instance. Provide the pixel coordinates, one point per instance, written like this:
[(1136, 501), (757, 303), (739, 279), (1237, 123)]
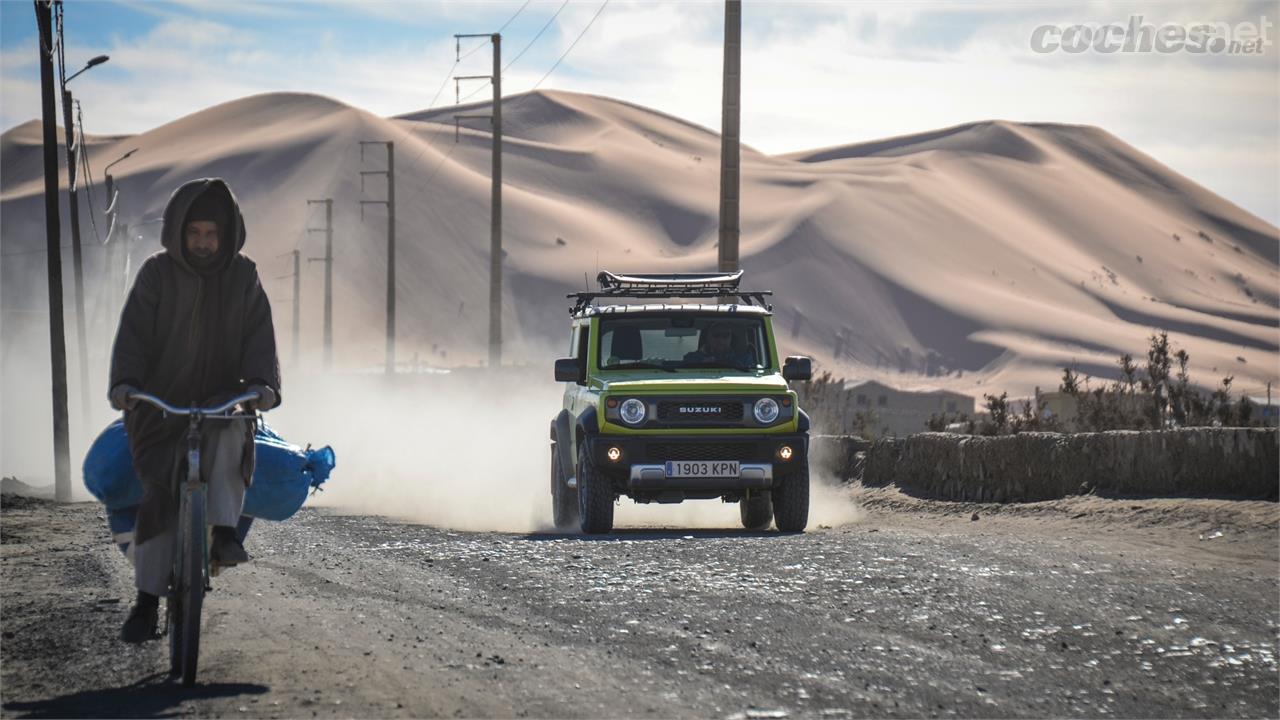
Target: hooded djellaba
[(194, 331)]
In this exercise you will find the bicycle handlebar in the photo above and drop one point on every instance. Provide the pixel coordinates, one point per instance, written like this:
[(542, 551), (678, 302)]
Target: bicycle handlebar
[(216, 411)]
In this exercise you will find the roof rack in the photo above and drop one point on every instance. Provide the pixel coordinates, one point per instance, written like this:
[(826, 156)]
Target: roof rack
[(669, 285)]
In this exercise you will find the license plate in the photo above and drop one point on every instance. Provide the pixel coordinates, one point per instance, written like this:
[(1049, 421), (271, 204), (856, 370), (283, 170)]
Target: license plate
[(703, 468)]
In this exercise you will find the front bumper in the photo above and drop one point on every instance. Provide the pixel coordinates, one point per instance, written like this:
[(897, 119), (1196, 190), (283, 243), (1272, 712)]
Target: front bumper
[(642, 465)]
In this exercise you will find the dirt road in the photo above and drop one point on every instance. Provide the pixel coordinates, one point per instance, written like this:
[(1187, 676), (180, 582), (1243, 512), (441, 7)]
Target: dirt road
[(1097, 608)]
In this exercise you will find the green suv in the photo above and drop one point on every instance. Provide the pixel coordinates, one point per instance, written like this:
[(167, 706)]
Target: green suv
[(672, 401)]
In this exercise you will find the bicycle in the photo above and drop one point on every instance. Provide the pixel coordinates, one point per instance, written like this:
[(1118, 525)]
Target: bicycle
[(191, 563)]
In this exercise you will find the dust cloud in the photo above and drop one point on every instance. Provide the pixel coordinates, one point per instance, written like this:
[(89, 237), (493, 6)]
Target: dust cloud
[(467, 450), (26, 414)]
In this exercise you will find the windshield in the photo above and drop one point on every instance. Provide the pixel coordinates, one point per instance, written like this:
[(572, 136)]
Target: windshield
[(675, 342)]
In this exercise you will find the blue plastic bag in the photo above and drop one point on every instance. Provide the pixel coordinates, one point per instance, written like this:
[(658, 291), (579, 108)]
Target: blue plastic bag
[(283, 475)]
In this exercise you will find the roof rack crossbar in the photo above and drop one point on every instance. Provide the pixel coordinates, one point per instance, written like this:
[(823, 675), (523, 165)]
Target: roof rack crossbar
[(668, 285)]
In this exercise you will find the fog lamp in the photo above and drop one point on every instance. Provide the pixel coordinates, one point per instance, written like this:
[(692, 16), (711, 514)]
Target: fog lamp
[(785, 452), (614, 454)]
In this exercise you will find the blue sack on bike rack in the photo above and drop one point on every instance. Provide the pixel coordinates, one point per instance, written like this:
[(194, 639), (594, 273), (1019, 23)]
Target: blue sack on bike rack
[(283, 474), (108, 469)]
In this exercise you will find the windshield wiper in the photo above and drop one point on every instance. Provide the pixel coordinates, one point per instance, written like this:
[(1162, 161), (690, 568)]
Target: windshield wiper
[(639, 366)]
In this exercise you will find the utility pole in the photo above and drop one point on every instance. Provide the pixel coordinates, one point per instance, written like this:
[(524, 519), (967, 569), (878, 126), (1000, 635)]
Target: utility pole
[(73, 204), (328, 276), (297, 306), (495, 202), (390, 202), (730, 154), (53, 243), (297, 302)]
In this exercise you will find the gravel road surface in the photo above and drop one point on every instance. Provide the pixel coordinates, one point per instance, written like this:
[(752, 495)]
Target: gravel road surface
[(1092, 608)]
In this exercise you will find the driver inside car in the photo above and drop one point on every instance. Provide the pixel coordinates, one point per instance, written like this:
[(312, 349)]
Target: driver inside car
[(717, 346)]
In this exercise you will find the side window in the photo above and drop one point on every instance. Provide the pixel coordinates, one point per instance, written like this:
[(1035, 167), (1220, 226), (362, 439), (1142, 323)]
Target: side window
[(584, 334), (573, 340)]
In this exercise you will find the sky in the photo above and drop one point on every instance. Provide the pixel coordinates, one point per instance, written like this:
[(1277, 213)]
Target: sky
[(815, 74)]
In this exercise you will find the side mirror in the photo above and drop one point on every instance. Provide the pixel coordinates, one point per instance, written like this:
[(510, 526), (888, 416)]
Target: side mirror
[(797, 367), (570, 370)]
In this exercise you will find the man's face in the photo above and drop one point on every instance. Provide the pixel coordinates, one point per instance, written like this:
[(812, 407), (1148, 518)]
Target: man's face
[(201, 238), (719, 340)]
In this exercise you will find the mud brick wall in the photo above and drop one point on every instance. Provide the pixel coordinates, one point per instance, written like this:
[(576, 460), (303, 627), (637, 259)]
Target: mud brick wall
[(1195, 462), (837, 457)]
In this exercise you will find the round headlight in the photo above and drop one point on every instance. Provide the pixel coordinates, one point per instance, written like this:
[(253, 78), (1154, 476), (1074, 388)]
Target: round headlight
[(632, 411), (766, 410)]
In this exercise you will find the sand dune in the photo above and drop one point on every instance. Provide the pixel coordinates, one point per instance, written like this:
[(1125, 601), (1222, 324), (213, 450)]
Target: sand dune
[(981, 256)]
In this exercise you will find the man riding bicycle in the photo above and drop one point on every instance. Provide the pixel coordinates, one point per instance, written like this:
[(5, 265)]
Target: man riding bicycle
[(196, 329)]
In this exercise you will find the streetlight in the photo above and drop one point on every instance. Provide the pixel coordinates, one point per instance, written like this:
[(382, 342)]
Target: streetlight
[(95, 61), (77, 263)]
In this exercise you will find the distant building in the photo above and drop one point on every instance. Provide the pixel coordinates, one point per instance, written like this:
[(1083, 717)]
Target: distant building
[(903, 412), (1057, 404), (1268, 413)]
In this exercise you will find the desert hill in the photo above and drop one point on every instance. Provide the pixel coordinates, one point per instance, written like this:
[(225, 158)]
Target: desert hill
[(981, 256)]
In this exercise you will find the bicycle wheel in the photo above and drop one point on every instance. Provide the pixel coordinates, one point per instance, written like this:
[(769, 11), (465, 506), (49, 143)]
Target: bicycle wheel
[(194, 549), (174, 603), (173, 625)]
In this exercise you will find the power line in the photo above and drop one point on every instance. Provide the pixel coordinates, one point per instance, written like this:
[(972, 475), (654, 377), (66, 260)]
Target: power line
[(470, 52), (428, 143), (571, 45), (548, 24), (436, 169), (471, 94), (445, 82), (485, 43), (535, 37), (513, 17), (88, 172)]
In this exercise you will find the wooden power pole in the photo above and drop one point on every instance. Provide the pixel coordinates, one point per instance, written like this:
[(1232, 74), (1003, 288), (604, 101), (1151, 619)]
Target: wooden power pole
[(390, 202), (72, 146), (495, 201), (328, 277), (53, 243), (297, 308), (730, 154)]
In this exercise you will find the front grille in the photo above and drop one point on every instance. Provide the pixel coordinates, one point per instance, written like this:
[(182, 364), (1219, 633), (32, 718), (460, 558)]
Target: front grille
[(700, 411), (702, 451)]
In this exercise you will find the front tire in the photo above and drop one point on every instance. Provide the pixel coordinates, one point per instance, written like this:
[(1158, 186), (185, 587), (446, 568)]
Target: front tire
[(756, 511), (791, 500), (185, 642), (564, 499), (595, 496)]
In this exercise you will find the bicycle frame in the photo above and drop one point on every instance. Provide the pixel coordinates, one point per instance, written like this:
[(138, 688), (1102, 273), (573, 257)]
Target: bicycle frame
[(191, 562)]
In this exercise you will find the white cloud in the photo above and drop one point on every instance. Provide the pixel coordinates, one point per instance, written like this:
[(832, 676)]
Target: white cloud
[(814, 75)]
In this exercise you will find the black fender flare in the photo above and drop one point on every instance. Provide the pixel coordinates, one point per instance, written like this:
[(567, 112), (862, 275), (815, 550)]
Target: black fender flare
[(562, 441), (586, 426), (802, 422)]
